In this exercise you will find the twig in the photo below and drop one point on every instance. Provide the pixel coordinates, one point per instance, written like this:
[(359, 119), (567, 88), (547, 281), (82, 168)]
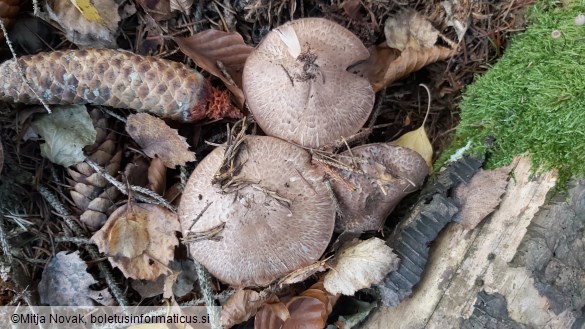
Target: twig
[(91, 249), (142, 194)]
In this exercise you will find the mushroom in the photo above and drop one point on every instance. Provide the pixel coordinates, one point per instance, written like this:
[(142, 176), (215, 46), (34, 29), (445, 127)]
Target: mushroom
[(297, 84), (385, 174), (276, 216)]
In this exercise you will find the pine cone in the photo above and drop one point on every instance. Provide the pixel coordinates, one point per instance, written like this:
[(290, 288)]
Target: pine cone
[(91, 192), (114, 78)]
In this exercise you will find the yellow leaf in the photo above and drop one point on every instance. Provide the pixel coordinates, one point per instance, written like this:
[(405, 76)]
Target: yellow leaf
[(88, 10), (418, 141)]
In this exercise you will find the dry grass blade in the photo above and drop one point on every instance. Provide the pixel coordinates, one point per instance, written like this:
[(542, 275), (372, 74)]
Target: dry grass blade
[(220, 53)]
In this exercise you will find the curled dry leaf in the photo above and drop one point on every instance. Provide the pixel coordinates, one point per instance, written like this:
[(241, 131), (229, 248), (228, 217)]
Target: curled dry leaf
[(218, 51), (481, 195), (157, 176), (87, 23), (410, 45), (360, 264), (65, 282), (139, 240), (243, 305), (308, 310), (418, 141), (409, 29), (157, 139), (66, 131)]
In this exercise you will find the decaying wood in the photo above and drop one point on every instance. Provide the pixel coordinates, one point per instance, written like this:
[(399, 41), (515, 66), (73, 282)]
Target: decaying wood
[(474, 270)]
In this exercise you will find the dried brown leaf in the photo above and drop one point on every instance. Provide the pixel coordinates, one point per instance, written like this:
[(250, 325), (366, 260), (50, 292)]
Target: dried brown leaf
[(387, 65), (126, 239), (157, 139), (91, 24), (351, 8), (128, 236), (409, 29), (65, 282), (360, 264), (210, 47), (308, 310), (481, 195), (243, 305), (410, 45), (157, 176)]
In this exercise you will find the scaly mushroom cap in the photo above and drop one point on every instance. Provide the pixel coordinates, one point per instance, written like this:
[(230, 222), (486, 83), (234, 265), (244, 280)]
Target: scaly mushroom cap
[(297, 84), (265, 236), (385, 174)]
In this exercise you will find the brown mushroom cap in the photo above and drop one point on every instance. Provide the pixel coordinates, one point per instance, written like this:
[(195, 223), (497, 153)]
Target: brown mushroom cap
[(264, 238), (386, 173), (297, 84)]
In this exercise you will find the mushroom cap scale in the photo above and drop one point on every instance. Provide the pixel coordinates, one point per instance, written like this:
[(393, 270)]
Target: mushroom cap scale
[(264, 236), (386, 174), (297, 84)]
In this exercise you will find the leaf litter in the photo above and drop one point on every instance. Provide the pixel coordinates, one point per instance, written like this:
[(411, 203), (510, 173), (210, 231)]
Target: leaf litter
[(316, 303)]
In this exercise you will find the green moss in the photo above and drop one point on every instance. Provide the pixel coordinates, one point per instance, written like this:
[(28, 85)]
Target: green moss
[(533, 100)]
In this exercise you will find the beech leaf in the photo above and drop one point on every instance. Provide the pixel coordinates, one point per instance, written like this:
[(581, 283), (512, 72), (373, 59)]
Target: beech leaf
[(417, 140), (308, 310), (359, 265), (481, 195), (243, 305), (211, 49), (66, 131), (157, 139), (409, 29), (135, 257), (411, 44)]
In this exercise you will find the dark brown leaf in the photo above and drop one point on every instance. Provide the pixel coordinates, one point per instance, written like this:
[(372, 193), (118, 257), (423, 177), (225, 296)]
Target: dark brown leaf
[(310, 310), (157, 176), (210, 47), (243, 305)]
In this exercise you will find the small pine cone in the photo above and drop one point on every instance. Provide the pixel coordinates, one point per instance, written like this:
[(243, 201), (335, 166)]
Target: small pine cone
[(8, 11), (91, 192)]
